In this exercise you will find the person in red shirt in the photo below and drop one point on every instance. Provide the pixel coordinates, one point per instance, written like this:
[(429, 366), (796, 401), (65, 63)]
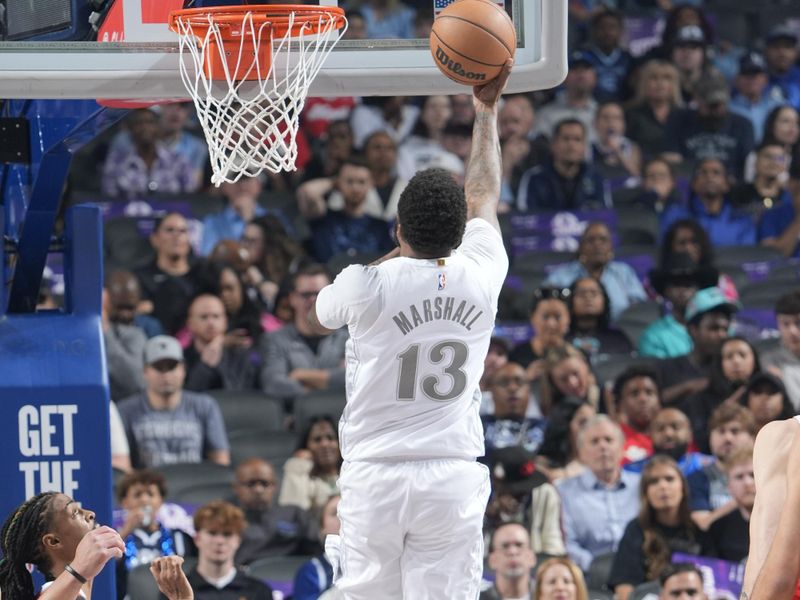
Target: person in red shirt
[(636, 400)]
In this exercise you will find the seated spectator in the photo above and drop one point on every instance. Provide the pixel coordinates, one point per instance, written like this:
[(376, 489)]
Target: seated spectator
[(689, 52), (174, 123), (512, 559), (596, 259), (613, 154), (730, 534), (781, 54), (565, 181), (679, 16), (567, 374), (731, 369), (219, 527), (711, 131), (271, 530), (671, 433), (496, 357), (146, 165), (676, 282), (246, 322), (658, 189), (125, 303), (33, 534), (783, 126), (521, 151), (786, 359), (679, 579), (335, 146), (423, 148), (212, 361), (663, 526), (598, 503), (658, 96), (521, 494), (558, 454), (710, 205), (780, 225), (766, 397), (392, 114), (549, 318), (166, 424), (272, 254), (168, 283), (296, 361), (350, 229), (575, 102), (316, 576), (752, 97), (731, 428), (768, 188), (708, 318), (123, 340), (558, 578), (388, 19), (637, 400), (141, 494), (510, 425), (309, 477), (242, 207), (590, 320), (608, 54), (380, 154)]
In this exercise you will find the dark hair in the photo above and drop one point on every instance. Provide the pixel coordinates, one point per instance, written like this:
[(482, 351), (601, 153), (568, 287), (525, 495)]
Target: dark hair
[(21, 544), (718, 384), (432, 213), (676, 569), (769, 124), (281, 251), (604, 320), (706, 250), (209, 283), (655, 547), (420, 128), (309, 270), (709, 159), (141, 477), (302, 440), (557, 445), (658, 159), (566, 122), (375, 134), (671, 26), (354, 160), (501, 526), (161, 218), (788, 304), (635, 372), (787, 408), (606, 13), (546, 292)]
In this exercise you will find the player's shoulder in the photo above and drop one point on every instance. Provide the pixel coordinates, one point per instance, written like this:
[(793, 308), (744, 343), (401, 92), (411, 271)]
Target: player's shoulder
[(774, 441)]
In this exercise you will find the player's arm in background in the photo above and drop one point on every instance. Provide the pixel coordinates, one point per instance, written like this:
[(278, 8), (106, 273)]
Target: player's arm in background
[(485, 170), (769, 572)]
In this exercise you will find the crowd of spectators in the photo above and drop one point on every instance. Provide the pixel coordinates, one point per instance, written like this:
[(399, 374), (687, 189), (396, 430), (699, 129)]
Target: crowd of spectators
[(588, 465)]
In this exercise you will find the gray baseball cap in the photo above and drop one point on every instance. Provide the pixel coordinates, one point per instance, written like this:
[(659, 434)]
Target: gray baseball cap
[(162, 347)]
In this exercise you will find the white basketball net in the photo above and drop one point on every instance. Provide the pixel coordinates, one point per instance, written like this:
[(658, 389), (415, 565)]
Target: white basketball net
[(251, 125)]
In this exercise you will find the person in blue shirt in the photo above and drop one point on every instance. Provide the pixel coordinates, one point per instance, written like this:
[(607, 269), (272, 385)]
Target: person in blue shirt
[(316, 575), (566, 181), (672, 435), (708, 205), (781, 53), (242, 208), (388, 19), (780, 227), (610, 60), (753, 97)]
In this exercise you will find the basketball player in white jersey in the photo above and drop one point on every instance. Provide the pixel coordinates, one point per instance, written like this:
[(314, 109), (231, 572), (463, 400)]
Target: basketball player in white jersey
[(420, 320), (773, 564)]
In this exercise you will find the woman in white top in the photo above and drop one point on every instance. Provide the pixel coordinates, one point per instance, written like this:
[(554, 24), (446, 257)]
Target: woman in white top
[(423, 149)]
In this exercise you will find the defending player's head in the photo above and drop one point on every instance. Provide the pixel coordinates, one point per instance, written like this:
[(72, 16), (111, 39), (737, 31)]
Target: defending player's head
[(432, 214)]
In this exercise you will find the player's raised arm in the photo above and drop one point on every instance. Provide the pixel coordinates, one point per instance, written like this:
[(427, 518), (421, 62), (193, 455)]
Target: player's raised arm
[(484, 172)]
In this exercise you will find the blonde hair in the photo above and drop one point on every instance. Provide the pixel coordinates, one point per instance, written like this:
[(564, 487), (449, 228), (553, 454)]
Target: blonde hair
[(577, 576), (650, 69), (549, 394)]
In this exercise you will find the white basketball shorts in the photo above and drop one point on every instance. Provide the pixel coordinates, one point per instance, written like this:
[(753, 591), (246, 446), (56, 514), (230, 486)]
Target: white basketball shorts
[(410, 530)]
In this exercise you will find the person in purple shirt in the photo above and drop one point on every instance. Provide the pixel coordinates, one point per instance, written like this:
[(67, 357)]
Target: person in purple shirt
[(708, 205), (781, 52)]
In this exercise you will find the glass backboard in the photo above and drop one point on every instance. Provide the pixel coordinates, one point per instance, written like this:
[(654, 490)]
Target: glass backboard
[(136, 55)]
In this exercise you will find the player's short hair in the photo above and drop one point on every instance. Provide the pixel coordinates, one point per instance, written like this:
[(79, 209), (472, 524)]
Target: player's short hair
[(432, 213), (676, 569), (141, 477), (727, 413), (788, 304), (219, 515)]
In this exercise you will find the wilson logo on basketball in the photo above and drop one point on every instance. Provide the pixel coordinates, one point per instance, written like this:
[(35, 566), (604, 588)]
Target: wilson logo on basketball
[(456, 67)]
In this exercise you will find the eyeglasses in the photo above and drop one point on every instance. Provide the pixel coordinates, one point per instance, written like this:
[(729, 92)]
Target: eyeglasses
[(550, 293), (252, 483)]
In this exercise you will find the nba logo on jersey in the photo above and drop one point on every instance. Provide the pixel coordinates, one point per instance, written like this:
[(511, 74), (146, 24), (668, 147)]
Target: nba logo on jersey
[(442, 281), (440, 5)]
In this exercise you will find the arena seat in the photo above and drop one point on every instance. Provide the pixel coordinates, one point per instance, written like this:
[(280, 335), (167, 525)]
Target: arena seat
[(203, 493), (277, 568), (540, 261), (124, 245), (273, 446), (183, 475), (600, 595), (249, 409), (736, 255), (635, 319), (316, 405), (599, 570), (646, 591), (613, 365), (765, 294)]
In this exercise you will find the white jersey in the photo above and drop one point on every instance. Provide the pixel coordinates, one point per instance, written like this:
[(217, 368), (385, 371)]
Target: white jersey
[(419, 333)]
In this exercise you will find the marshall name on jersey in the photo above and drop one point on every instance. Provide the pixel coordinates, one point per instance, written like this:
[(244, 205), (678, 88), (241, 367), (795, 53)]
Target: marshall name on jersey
[(437, 309)]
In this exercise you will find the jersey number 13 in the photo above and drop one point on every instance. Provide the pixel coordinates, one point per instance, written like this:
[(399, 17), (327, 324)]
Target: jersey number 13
[(409, 371)]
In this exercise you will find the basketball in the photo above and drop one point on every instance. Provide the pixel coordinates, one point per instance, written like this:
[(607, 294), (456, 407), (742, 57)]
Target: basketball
[(471, 40)]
